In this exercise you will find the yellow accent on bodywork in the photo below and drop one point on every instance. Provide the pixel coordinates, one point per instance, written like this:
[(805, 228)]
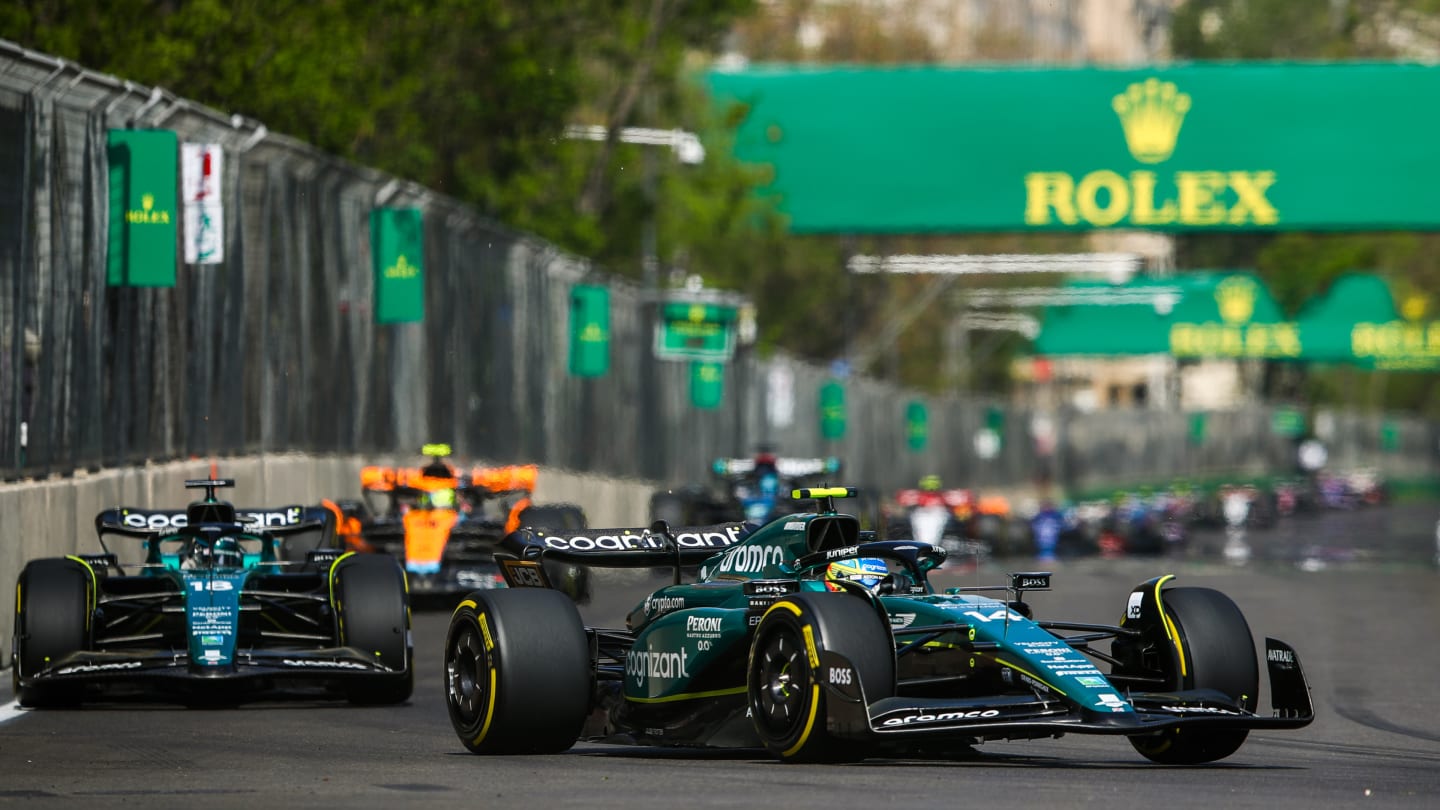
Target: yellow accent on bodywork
[(819, 492), (1002, 662), (736, 690), (93, 589), (1171, 632), (809, 723), (339, 614)]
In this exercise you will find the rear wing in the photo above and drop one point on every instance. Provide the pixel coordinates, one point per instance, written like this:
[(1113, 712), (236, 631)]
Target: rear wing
[(627, 548), (144, 523), (785, 466), (512, 478)]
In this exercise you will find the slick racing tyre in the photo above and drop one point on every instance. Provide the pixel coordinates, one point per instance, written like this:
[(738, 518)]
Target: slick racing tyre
[(374, 616), (517, 672), (786, 686), (54, 598), (1220, 655), (573, 579)]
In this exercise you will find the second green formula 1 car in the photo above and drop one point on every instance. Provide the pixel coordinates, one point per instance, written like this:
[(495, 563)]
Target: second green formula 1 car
[(810, 639)]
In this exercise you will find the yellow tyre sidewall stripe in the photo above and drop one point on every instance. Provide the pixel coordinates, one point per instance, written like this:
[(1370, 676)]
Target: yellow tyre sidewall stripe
[(489, 641), (814, 658)]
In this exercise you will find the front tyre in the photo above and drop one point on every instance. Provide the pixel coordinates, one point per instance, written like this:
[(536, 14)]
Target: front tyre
[(52, 620), (1220, 655), (374, 613), (785, 683), (517, 672)]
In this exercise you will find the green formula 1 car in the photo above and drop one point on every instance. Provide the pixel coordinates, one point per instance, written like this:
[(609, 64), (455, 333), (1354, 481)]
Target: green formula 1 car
[(211, 611), (810, 639)]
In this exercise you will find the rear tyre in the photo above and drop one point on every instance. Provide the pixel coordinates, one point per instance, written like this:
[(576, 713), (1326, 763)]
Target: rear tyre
[(517, 672), (374, 613), (52, 620), (573, 579), (1220, 654), (787, 698)]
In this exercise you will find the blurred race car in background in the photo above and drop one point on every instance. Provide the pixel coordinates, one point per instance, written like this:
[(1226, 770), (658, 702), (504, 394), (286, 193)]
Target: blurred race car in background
[(209, 611), (808, 637), (969, 525), (443, 523), (753, 489)]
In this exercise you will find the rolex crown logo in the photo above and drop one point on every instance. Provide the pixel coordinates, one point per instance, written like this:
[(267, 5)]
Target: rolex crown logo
[(1414, 307), (1151, 113), (1236, 298), (147, 201)]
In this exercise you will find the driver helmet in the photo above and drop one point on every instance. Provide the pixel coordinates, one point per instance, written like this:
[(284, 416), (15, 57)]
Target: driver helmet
[(867, 571), (930, 483), (226, 553)]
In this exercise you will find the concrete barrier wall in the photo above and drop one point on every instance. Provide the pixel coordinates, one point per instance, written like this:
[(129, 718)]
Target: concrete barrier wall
[(57, 517)]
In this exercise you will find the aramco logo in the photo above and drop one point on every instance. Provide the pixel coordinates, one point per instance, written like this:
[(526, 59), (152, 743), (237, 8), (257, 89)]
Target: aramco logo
[(1151, 113)]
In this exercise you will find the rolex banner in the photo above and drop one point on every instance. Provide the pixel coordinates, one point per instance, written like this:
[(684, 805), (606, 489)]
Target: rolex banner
[(397, 237), (1202, 314), (1197, 147), (143, 216)]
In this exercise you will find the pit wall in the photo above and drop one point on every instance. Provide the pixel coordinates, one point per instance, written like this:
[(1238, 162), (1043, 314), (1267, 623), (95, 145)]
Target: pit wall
[(56, 517)]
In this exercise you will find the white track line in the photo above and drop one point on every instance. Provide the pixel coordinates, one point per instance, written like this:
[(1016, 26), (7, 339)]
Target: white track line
[(10, 711)]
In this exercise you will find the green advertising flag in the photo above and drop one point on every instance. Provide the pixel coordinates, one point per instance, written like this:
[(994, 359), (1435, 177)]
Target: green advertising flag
[(144, 217), (397, 239), (917, 425), (695, 330), (1389, 436), (707, 384), (589, 331), (1200, 146), (1287, 422), (832, 411)]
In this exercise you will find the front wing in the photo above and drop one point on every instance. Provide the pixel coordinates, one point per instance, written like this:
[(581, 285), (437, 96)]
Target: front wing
[(1032, 716), (253, 669)]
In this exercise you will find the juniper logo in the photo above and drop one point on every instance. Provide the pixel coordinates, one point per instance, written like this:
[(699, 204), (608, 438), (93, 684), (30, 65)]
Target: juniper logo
[(1151, 113), (1236, 298)]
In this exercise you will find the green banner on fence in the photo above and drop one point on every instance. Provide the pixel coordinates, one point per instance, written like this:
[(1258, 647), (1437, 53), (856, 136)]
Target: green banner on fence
[(1186, 147), (397, 248), (144, 218), (695, 330), (917, 425), (707, 384), (589, 330), (832, 411)]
